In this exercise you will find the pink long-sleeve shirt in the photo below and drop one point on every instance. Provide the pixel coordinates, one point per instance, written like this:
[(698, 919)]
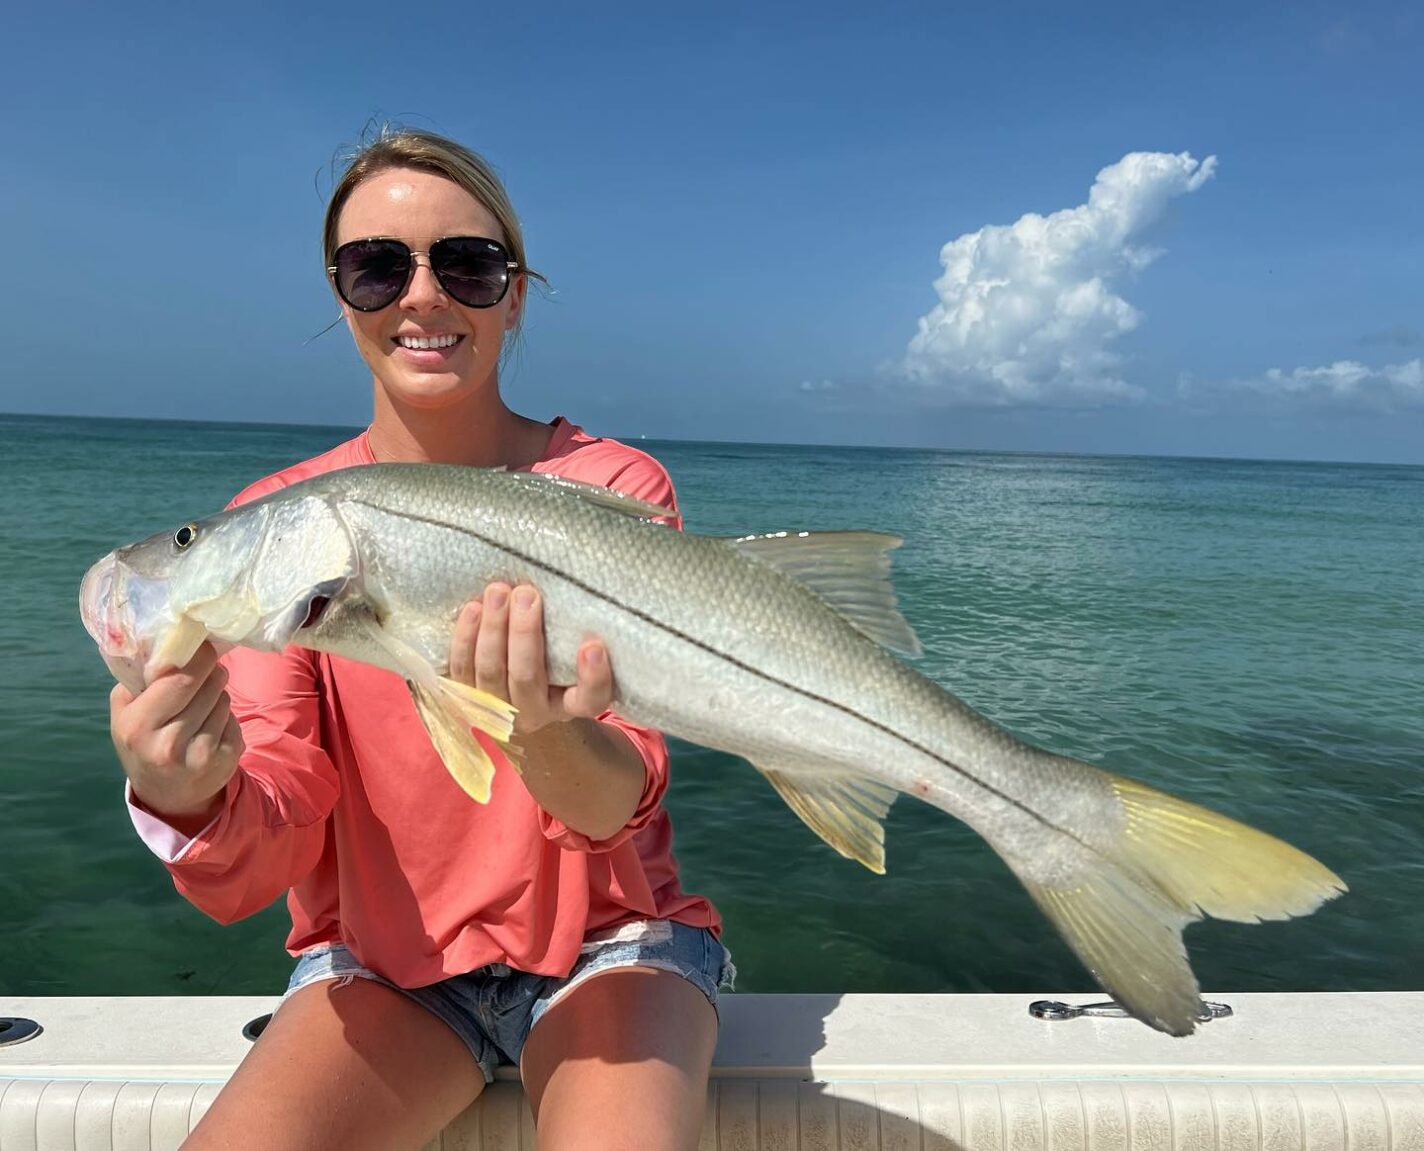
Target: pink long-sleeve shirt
[(341, 802)]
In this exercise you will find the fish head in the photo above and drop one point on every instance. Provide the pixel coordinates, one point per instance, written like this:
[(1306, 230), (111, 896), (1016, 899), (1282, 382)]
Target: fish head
[(254, 575)]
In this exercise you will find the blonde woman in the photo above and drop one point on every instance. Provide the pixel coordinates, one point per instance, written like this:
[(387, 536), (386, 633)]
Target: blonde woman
[(436, 938)]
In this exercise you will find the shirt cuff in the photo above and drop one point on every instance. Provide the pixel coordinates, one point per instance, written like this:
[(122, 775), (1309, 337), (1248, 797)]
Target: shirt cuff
[(168, 843)]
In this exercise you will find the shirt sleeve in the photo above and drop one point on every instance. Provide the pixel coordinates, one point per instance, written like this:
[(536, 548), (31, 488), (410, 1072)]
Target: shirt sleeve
[(646, 479), (653, 748), (271, 829)]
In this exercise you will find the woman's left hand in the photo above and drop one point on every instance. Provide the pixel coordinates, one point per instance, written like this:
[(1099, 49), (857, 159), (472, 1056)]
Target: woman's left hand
[(499, 648)]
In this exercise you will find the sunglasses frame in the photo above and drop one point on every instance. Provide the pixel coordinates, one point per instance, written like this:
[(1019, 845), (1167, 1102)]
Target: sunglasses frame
[(510, 266)]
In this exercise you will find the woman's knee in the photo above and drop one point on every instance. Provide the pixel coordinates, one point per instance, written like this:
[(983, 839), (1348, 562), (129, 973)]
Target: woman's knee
[(348, 1064), (626, 1034)]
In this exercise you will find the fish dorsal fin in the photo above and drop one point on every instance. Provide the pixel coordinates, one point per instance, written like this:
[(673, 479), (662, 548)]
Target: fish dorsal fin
[(847, 811), (606, 498), (849, 570)]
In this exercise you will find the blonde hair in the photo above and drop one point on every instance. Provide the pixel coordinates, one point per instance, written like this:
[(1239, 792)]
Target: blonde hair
[(395, 147)]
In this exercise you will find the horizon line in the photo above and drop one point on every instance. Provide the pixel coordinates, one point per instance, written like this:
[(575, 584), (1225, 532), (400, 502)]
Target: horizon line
[(633, 439)]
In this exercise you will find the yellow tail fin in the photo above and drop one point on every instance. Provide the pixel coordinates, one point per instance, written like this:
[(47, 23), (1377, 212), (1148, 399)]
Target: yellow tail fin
[(1124, 910)]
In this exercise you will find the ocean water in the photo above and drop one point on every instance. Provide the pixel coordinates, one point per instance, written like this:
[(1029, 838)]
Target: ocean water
[(1245, 634)]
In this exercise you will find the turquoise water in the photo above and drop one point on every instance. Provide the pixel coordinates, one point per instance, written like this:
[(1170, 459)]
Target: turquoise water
[(1245, 634)]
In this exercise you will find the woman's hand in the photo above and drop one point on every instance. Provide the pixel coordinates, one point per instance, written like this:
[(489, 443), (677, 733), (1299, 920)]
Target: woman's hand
[(499, 648), (584, 773), (178, 740)]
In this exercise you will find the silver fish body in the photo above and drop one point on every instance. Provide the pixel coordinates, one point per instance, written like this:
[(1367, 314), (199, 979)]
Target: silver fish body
[(773, 648)]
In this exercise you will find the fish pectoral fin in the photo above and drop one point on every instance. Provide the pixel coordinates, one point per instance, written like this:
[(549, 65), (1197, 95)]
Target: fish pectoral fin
[(849, 571), (449, 711), (847, 811)]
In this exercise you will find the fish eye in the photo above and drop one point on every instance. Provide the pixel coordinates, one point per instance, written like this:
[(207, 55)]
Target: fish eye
[(185, 535)]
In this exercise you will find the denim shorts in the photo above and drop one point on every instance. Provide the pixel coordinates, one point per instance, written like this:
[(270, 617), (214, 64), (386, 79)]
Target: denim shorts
[(493, 1008)]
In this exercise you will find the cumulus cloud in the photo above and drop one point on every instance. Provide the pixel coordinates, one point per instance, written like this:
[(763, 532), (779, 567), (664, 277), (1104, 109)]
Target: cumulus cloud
[(1028, 312), (1345, 384)]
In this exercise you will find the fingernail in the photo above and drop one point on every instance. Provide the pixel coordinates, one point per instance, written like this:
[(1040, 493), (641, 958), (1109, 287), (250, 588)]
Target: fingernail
[(524, 598), (593, 657), (496, 597)]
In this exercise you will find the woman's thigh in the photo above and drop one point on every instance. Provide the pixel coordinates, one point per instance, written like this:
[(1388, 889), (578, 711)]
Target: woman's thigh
[(349, 1065), (621, 1061)]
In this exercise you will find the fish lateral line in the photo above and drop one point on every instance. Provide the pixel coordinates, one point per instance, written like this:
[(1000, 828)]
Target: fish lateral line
[(741, 665)]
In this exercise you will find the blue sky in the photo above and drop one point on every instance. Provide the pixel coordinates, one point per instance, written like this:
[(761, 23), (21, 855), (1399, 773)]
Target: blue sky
[(743, 210)]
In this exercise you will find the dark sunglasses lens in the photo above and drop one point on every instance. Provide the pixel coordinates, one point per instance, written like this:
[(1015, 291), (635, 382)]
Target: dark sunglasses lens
[(473, 270), (371, 273)]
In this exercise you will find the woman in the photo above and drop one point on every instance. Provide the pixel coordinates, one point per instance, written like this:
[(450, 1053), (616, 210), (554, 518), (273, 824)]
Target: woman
[(437, 937)]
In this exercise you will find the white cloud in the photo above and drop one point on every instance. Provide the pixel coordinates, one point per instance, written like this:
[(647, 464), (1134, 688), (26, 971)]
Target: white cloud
[(1029, 311), (1343, 384)]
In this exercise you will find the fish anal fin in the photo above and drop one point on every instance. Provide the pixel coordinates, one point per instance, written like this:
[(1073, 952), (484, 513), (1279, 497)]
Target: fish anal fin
[(848, 812), (849, 571), (453, 713)]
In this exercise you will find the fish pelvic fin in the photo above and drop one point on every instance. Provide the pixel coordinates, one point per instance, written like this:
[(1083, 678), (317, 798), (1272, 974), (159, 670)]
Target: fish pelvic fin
[(449, 711), (454, 714), (1173, 862), (847, 811)]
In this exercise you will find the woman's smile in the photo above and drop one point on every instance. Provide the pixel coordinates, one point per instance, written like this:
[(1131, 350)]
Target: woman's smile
[(429, 351)]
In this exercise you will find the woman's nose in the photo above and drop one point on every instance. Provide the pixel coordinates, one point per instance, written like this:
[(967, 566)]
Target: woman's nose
[(424, 290)]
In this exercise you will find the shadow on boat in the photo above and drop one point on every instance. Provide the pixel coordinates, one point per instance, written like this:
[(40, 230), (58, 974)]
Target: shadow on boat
[(764, 1091)]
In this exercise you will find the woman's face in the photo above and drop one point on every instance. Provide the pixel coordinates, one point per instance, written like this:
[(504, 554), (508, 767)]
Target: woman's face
[(420, 208)]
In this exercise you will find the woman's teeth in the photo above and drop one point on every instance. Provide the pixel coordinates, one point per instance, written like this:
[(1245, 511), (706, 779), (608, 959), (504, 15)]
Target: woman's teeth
[(427, 341)]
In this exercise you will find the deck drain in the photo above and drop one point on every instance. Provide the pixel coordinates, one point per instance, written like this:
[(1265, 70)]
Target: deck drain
[(14, 1030), (254, 1027)]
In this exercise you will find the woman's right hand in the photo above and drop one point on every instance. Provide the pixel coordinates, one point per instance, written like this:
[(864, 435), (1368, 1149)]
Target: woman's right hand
[(178, 741)]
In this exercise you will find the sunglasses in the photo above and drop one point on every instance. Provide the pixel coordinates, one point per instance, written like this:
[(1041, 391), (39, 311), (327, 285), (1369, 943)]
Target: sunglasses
[(371, 274)]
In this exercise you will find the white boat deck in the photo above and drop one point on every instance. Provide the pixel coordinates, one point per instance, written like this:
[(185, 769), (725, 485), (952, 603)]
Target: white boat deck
[(806, 1072)]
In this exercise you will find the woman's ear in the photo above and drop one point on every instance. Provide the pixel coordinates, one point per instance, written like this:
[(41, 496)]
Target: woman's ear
[(517, 295)]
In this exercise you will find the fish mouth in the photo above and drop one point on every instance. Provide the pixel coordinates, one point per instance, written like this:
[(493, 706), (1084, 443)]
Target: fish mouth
[(127, 615), (108, 617), (104, 612)]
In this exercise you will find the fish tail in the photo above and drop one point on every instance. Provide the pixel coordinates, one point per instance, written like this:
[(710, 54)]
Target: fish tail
[(1124, 903)]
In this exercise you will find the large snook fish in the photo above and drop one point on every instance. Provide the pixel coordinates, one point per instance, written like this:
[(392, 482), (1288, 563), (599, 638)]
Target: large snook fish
[(773, 648)]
